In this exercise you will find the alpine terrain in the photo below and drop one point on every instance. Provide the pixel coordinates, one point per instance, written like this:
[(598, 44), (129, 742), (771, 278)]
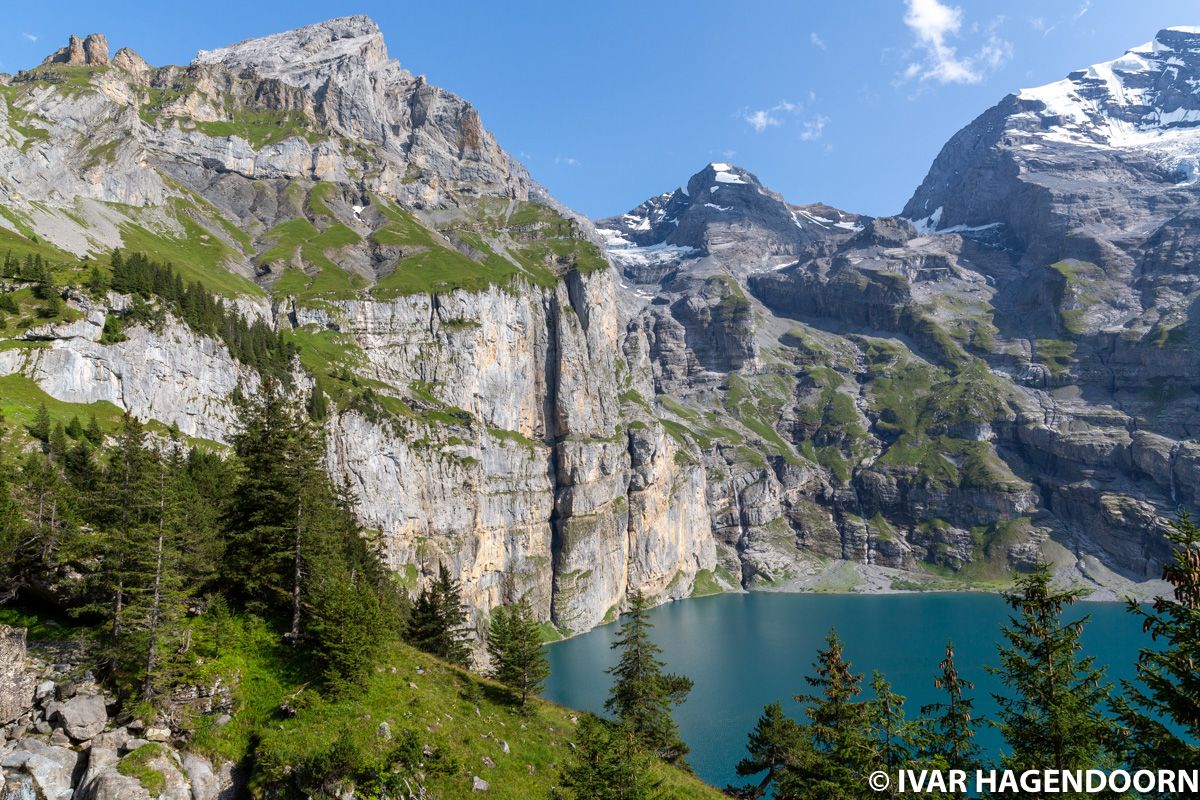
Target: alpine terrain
[(719, 390)]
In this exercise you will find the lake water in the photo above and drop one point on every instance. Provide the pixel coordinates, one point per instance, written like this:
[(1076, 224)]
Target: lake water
[(747, 650)]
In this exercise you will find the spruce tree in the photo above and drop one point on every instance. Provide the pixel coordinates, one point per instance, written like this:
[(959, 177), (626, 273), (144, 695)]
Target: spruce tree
[(438, 622), (41, 427), (775, 747), (607, 763), (1052, 717), (946, 739), (515, 646), (891, 733), (838, 729), (1167, 689), (128, 513), (93, 432), (57, 444), (642, 694), (14, 530)]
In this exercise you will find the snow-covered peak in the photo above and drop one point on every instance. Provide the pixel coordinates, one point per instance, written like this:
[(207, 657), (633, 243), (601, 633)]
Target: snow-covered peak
[(1149, 98)]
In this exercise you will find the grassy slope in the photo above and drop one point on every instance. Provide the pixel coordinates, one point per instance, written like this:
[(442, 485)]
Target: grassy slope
[(462, 716)]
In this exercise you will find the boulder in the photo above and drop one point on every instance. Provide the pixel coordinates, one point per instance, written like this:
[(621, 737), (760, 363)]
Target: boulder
[(478, 784), (16, 682), (204, 782), (83, 716), (50, 770)]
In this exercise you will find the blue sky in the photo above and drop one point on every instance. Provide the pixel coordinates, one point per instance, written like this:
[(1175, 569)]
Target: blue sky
[(611, 102)]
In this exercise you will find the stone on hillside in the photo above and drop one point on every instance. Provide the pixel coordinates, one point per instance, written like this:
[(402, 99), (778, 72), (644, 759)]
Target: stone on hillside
[(478, 784), (50, 769), (83, 716), (205, 785), (16, 682)]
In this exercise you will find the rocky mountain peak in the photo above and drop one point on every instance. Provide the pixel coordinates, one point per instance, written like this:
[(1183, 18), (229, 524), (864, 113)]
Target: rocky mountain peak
[(306, 56), (91, 51), (723, 207), (1121, 132), (1146, 97)]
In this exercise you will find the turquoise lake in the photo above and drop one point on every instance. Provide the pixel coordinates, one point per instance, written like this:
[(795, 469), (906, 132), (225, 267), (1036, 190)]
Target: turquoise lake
[(746, 650)]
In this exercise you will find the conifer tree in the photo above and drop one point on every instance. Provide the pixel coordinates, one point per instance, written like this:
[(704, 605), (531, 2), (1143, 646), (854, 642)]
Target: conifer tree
[(642, 694), (41, 427), (49, 508), (93, 432), (946, 739), (838, 729), (128, 511), (57, 444), (515, 645), (608, 763), (775, 747), (438, 622), (13, 529), (1164, 702), (74, 428), (891, 733), (1052, 718)]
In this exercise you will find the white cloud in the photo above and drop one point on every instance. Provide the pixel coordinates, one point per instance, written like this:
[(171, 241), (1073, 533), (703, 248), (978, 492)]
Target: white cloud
[(761, 120), (771, 117), (570, 162), (996, 52), (1083, 9), (814, 128), (935, 26), (29, 37), (817, 40)]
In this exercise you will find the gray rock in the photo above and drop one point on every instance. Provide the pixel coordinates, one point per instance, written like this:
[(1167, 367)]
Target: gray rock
[(82, 717), (478, 784), (51, 769), (17, 683), (204, 782)]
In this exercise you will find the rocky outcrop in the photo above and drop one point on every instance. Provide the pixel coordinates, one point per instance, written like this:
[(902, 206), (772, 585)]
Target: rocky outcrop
[(16, 681), (90, 52), (65, 746)]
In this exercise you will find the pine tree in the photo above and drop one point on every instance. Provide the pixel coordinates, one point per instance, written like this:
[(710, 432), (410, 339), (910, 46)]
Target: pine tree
[(74, 428), (515, 645), (1052, 718), (838, 729), (57, 444), (14, 533), (41, 427), (607, 763), (776, 747), (49, 509), (93, 432), (892, 735), (438, 622), (1167, 689), (642, 694), (947, 728)]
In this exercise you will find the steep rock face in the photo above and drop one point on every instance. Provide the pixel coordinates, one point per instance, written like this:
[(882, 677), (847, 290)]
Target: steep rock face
[(361, 94), (1091, 179), (170, 374), (535, 493), (914, 408)]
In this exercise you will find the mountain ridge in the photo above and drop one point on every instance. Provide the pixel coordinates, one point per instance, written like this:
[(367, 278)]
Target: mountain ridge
[(757, 394)]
